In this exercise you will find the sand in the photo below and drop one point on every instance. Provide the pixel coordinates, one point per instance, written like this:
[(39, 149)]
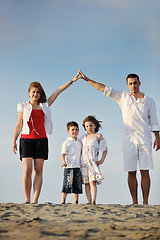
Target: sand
[(82, 221)]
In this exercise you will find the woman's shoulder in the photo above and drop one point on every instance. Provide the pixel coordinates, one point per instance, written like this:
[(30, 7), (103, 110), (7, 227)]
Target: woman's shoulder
[(23, 103), (44, 105), (21, 106)]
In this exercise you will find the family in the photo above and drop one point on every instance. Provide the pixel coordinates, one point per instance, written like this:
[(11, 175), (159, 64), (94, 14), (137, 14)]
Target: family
[(80, 157)]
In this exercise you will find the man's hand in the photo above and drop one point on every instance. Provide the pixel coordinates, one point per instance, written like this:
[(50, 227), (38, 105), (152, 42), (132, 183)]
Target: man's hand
[(156, 144)]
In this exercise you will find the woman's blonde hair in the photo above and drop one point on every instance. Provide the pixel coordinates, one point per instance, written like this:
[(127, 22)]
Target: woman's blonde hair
[(42, 98)]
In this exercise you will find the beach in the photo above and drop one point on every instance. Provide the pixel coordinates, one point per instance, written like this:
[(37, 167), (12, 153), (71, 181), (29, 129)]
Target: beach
[(81, 221)]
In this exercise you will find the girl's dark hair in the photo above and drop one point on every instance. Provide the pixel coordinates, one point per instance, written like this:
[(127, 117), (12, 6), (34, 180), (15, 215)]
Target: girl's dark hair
[(42, 98), (93, 120)]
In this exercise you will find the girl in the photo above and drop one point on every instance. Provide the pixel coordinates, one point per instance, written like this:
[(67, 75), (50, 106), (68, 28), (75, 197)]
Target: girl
[(34, 119), (92, 143)]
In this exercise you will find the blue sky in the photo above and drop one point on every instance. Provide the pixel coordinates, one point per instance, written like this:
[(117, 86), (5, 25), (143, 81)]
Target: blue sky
[(47, 41)]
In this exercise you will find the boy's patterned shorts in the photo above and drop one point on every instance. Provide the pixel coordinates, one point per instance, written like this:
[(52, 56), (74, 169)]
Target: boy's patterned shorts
[(72, 181)]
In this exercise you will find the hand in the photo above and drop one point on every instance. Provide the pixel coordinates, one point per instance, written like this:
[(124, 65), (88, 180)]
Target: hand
[(156, 144), (64, 165), (78, 76), (14, 147), (99, 162), (82, 75)]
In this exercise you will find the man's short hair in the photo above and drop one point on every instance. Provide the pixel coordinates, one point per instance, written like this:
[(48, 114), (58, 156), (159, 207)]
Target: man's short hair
[(132, 75), (72, 124)]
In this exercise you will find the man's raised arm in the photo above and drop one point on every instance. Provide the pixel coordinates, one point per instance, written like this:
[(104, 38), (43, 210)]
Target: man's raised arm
[(97, 85)]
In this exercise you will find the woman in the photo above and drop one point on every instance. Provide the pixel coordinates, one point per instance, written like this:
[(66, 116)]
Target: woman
[(34, 119)]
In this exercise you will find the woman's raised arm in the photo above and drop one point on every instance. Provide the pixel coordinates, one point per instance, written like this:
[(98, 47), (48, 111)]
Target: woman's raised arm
[(55, 94)]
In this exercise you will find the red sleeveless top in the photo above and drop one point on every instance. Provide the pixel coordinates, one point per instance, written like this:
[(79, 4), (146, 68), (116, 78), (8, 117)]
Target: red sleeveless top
[(36, 125)]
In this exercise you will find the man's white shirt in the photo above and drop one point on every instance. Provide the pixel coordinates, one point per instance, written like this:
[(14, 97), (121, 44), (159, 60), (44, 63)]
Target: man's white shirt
[(139, 116)]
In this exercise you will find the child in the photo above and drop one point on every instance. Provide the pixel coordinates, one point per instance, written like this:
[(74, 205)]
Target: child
[(70, 156), (92, 143)]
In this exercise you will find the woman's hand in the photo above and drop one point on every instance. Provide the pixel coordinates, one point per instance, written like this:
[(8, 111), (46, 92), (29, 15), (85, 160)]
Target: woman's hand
[(14, 147), (78, 76), (82, 75), (17, 131)]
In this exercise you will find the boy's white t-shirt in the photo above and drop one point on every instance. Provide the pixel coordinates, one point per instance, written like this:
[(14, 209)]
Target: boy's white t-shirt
[(72, 148)]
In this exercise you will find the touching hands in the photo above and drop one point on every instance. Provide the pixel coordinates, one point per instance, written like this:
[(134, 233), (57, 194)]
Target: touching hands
[(79, 75), (82, 75)]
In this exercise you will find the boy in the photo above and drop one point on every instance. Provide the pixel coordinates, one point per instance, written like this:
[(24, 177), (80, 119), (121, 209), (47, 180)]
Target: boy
[(70, 156)]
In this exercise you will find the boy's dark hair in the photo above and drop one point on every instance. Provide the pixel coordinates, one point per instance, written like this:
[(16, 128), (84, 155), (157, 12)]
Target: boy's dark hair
[(72, 124), (94, 120), (132, 75)]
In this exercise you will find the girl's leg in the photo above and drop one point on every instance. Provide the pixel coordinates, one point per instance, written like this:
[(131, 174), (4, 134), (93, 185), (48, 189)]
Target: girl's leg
[(93, 190), (64, 195), (75, 195), (38, 178), (27, 178), (88, 192)]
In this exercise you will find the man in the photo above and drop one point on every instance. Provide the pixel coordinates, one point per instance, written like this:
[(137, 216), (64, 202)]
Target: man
[(140, 119)]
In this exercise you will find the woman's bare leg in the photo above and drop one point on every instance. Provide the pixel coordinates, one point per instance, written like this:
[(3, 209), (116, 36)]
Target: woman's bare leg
[(38, 178), (27, 178)]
